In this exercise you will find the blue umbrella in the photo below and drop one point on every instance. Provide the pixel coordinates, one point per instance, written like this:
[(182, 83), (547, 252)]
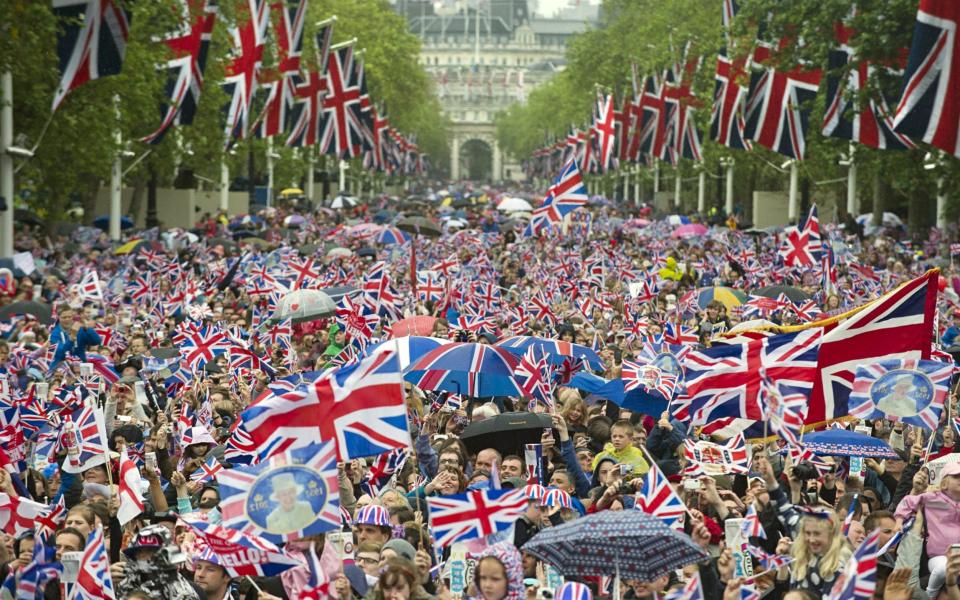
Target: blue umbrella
[(392, 235), (627, 543), (638, 400), (555, 350), (103, 221), (410, 348), (477, 370), (840, 442)]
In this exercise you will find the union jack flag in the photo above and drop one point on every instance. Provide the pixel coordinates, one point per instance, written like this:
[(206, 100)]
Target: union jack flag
[(243, 511), (50, 519), (534, 375), (691, 590), (872, 125), (726, 121), (340, 135), (929, 107), (308, 95), (751, 526), (189, 44), (798, 454), (638, 376), (92, 49), (94, 581), (858, 580), (651, 105), (208, 470), (28, 582), (281, 81), (657, 498), (725, 380), (605, 132), (199, 345), (91, 438), (475, 514), (707, 458), (358, 326), (916, 397), (382, 470), (240, 555), (784, 413), (767, 560), (430, 286), (567, 194), (240, 81)]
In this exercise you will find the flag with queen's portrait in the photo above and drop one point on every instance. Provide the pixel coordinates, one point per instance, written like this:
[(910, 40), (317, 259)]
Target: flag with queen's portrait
[(909, 390)]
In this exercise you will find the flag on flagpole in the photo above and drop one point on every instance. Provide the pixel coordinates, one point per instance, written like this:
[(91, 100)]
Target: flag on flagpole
[(657, 498), (477, 513), (131, 486), (93, 580)]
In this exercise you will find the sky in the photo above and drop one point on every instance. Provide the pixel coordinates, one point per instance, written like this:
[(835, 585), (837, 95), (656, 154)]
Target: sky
[(548, 7)]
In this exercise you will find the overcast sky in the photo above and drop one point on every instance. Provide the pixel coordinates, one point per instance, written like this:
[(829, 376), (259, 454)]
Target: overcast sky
[(548, 7)]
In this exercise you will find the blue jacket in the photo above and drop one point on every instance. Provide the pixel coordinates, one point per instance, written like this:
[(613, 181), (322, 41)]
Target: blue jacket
[(569, 456), (949, 336), (65, 345)]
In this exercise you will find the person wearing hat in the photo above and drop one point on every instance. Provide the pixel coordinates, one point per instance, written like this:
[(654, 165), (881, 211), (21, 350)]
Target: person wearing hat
[(211, 577), (152, 566), (372, 524), (291, 513), (941, 511)]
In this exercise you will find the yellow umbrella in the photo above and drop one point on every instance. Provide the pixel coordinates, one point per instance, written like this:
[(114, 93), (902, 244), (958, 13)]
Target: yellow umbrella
[(446, 201), (128, 247), (291, 192)]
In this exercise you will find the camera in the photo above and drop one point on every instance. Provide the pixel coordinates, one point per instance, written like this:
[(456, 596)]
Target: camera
[(804, 471)]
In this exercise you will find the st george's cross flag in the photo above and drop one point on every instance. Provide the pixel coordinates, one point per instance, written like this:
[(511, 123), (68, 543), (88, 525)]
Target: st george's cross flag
[(240, 555), (291, 495), (131, 496), (475, 514), (908, 390), (657, 498), (18, 515)]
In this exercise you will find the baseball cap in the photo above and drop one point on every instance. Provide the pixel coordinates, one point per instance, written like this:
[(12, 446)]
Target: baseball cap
[(951, 469)]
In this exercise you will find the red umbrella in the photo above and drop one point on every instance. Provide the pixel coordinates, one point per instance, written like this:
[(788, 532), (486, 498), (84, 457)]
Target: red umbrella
[(422, 325)]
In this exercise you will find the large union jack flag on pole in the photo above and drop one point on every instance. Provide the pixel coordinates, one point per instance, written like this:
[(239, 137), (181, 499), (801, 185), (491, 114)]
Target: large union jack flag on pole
[(929, 107), (91, 42), (565, 195), (341, 104), (726, 121), (189, 45), (240, 83), (308, 96), (475, 514), (281, 81)]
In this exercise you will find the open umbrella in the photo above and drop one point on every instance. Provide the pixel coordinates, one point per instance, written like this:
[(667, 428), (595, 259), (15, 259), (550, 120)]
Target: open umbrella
[(507, 433), (341, 202), (514, 205), (689, 230), (291, 192), (468, 369), (773, 291), (409, 348), (42, 312), (629, 544), (255, 241), (422, 325), (339, 253), (556, 350), (27, 217), (337, 292), (729, 297), (392, 235), (840, 442), (103, 221), (294, 221), (305, 305), (419, 226)]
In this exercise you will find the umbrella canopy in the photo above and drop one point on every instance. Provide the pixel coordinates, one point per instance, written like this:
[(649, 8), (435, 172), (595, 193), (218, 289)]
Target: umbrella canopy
[(27, 217), (42, 312), (840, 442), (514, 205), (103, 221), (337, 292), (889, 219), (677, 220), (305, 305), (255, 241), (422, 325), (637, 223), (341, 202), (468, 369), (294, 221), (419, 226), (729, 297), (628, 543), (130, 246), (507, 432), (392, 235), (557, 351), (384, 215), (339, 252), (291, 192), (773, 291), (688, 231), (367, 251), (410, 348)]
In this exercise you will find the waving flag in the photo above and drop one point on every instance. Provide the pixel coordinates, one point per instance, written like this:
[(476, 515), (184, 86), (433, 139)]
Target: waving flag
[(707, 458), (657, 498), (291, 495), (692, 590), (908, 390), (535, 376), (340, 135), (199, 345), (475, 514), (91, 437), (240, 555), (240, 77), (131, 498), (208, 470), (767, 560), (858, 580), (31, 579), (93, 580), (784, 413), (17, 515), (751, 526), (92, 49), (567, 194)]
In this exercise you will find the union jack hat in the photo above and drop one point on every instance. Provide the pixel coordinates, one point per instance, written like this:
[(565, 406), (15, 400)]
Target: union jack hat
[(373, 514), (534, 491), (556, 497), (573, 590)]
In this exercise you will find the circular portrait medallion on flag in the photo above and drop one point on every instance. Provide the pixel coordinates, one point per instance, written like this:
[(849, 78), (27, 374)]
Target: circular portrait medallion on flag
[(286, 499), (902, 392), (668, 363)]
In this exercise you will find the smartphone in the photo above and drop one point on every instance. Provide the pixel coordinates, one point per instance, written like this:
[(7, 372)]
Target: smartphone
[(150, 460), (625, 470)]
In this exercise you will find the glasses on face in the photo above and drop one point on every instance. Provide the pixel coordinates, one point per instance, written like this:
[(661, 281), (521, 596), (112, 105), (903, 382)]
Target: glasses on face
[(368, 560), (450, 461)]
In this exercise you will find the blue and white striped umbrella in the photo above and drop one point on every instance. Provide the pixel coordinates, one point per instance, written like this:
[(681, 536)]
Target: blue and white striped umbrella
[(410, 348), (556, 350)]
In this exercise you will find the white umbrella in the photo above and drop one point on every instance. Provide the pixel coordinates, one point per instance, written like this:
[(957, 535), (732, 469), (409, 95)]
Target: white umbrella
[(456, 223), (339, 252), (305, 305), (514, 205), (889, 219), (343, 202)]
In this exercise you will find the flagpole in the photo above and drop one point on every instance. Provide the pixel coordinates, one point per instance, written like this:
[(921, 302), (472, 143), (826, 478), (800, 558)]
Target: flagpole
[(116, 176), (6, 163)]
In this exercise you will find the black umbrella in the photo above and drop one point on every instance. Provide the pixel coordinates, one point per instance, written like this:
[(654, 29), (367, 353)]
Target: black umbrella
[(339, 291), (27, 217), (507, 432), (42, 312), (367, 251), (164, 352), (419, 226), (773, 291)]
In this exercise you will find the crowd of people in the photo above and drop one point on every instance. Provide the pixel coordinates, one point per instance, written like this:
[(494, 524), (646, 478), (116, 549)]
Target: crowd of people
[(610, 279)]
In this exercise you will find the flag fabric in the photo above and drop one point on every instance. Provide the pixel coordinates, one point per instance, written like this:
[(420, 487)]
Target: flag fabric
[(768, 560), (208, 470), (131, 498), (858, 580), (241, 74), (567, 194), (475, 514), (899, 325), (533, 458), (31, 579), (691, 590), (929, 107), (784, 413), (50, 519), (534, 375), (751, 526), (281, 81), (90, 434), (726, 122), (291, 495), (708, 458), (93, 580), (851, 512), (908, 390), (240, 555), (657, 498), (90, 287), (91, 41), (18, 515), (318, 584), (340, 134)]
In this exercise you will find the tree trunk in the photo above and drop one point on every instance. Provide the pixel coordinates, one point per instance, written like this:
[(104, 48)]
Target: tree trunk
[(877, 200), (136, 200), (152, 220)]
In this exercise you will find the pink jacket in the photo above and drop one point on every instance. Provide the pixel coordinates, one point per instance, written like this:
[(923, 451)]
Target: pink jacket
[(942, 517)]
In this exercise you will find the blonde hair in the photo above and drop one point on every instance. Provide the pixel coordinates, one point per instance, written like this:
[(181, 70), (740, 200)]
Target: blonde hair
[(831, 561), (573, 400)]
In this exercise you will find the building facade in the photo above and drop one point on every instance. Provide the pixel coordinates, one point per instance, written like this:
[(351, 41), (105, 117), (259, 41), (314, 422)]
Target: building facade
[(483, 56)]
